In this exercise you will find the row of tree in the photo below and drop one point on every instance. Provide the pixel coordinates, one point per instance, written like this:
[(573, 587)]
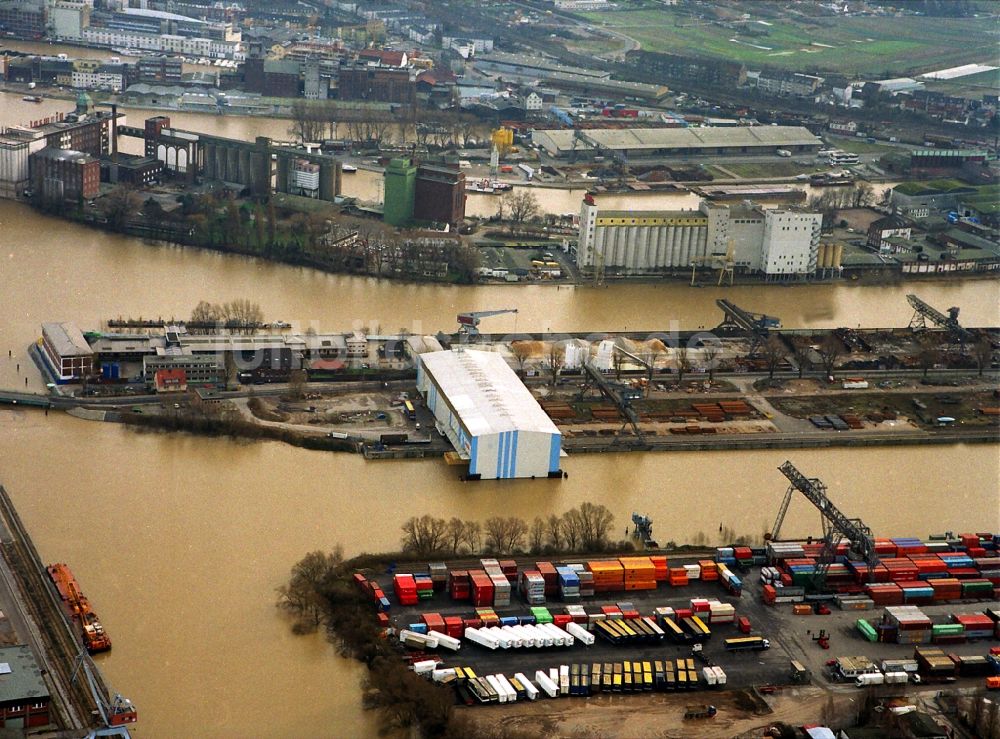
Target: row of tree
[(586, 528)]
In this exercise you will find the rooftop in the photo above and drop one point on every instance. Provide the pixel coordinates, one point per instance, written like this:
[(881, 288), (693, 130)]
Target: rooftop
[(63, 155), (20, 677), (67, 339), (485, 393)]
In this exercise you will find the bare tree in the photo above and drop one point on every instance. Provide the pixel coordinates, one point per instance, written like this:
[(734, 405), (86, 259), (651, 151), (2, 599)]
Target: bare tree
[(521, 351), (617, 363), (595, 523), (536, 536), (473, 536), (554, 361), (928, 352), (830, 350), (308, 121), (554, 531), (456, 534), (773, 350), (522, 205), (424, 535), (297, 384), (242, 315), (682, 362), (572, 529), (710, 353), (801, 351), (311, 577), (119, 204), (982, 350), (505, 535)]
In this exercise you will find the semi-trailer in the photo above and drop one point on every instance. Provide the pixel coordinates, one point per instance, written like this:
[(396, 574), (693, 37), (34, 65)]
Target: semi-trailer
[(869, 678), (746, 643), (546, 684), (530, 691), (580, 634), (897, 678)]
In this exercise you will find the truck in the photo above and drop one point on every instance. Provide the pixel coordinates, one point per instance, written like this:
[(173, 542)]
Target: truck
[(899, 665), (784, 153), (798, 672), (869, 678), (896, 678), (529, 172), (746, 643), (701, 711)]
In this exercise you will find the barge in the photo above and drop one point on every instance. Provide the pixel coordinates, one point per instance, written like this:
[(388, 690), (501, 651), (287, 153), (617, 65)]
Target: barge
[(95, 638)]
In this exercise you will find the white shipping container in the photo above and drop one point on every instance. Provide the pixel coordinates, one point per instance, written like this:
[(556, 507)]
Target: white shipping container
[(896, 677), (515, 639), (720, 675), (495, 684), (439, 675), (709, 674), (405, 634), (563, 679), (546, 684), (424, 666), (485, 640), (448, 642), (580, 633), (530, 691), (508, 688)]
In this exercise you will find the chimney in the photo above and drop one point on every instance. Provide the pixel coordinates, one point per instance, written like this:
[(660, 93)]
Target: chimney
[(114, 133)]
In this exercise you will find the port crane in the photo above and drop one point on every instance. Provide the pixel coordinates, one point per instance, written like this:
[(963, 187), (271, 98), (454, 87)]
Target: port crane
[(757, 325), (619, 394), (468, 323), (116, 714), (645, 364), (922, 313), (835, 524)]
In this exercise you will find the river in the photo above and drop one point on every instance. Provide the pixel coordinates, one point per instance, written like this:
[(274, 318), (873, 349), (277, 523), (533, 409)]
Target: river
[(180, 541)]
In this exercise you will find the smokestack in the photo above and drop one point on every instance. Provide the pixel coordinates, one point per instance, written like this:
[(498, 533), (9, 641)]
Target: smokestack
[(114, 133)]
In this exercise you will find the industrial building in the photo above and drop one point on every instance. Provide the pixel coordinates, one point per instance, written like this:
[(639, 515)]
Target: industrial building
[(776, 242), (636, 143), (24, 699), (59, 175), (488, 415), (65, 351), (423, 192)]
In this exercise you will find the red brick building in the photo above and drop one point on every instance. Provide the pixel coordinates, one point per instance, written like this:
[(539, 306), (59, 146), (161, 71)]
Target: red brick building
[(63, 174), (377, 83)]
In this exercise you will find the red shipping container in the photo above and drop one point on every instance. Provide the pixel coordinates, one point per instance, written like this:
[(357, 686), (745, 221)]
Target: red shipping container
[(561, 619)]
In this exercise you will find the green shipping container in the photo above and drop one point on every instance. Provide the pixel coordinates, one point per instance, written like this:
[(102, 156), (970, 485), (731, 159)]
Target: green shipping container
[(948, 629), (867, 631)]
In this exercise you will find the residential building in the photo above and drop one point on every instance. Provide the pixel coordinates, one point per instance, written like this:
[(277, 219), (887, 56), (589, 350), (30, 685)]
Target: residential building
[(63, 174), (23, 18), (68, 19), (199, 369), (24, 698), (170, 381), (675, 67), (532, 102), (883, 234), (788, 83), (160, 69), (65, 352), (105, 77), (168, 43)]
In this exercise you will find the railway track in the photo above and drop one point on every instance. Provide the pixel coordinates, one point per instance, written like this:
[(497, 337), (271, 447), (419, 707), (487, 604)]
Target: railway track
[(54, 639)]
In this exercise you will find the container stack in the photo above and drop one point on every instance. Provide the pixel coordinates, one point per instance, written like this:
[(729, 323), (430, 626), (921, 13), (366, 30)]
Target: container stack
[(677, 577), (454, 627), (947, 633), (911, 625), (659, 563), (977, 625), (586, 583), (459, 585), (724, 555), (532, 587), (608, 575), (509, 569), (946, 588), (721, 613), (577, 614), (439, 575), (569, 585), (548, 571), (482, 588), (709, 570), (693, 572), (541, 615), (639, 573), (487, 616), (885, 594), (501, 590), (933, 662), (779, 551), (433, 622), (743, 555), (425, 586), (405, 589)]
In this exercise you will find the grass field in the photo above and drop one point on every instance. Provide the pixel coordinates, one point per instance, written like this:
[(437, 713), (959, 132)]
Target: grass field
[(973, 85), (873, 46)]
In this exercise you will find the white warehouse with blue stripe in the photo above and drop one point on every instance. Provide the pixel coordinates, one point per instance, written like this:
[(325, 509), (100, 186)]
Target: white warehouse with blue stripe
[(488, 414)]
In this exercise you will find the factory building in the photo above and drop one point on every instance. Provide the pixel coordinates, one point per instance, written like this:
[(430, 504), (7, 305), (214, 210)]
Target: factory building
[(59, 175), (24, 698), (660, 142), (488, 414), (776, 242), (65, 351)]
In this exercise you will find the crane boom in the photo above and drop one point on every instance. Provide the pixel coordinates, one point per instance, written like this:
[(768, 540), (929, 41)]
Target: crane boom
[(834, 522), (922, 312)]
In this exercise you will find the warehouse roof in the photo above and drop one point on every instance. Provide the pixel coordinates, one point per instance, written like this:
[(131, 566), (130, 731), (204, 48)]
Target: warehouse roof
[(675, 138), (485, 393), (20, 678), (67, 339)]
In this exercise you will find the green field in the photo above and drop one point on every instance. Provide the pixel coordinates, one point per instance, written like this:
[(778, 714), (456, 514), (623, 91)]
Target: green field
[(974, 85), (869, 45)]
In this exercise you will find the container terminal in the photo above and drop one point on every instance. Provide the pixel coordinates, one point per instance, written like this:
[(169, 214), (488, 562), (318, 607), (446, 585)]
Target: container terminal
[(505, 406), (845, 612)]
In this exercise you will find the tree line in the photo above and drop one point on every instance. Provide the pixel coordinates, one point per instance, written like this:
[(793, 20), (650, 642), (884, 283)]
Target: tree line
[(586, 528)]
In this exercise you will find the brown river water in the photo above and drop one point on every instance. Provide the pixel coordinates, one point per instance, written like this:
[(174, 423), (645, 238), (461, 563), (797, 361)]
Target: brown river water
[(179, 541)]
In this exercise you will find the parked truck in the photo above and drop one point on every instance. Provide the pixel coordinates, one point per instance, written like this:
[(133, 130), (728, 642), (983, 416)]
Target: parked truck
[(747, 643), (869, 678), (702, 711)]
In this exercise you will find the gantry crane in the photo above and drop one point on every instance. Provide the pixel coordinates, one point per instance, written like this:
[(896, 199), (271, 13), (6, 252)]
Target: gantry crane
[(835, 524), (757, 325), (468, 323), (923, 313), (115, 714), (646, 364), (619, 394)]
